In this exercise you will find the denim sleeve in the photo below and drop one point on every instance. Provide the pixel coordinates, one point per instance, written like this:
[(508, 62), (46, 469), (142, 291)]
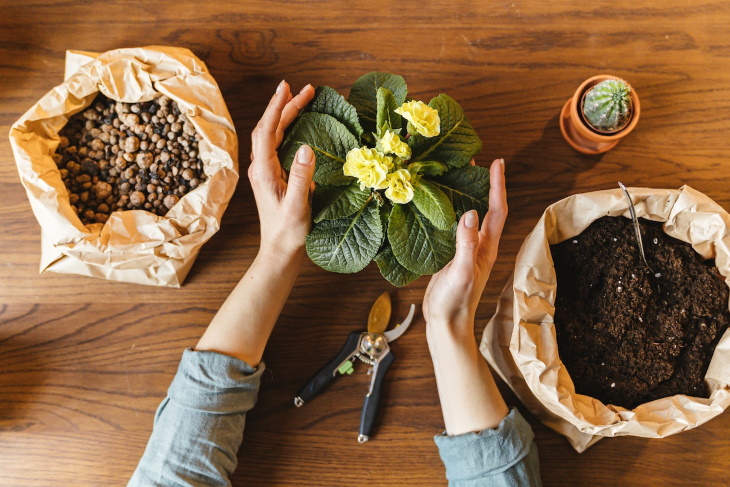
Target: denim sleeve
[(504, 456), (198, 427)]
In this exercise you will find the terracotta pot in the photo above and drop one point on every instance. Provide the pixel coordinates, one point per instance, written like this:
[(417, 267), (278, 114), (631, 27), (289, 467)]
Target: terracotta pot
[(579, 134)]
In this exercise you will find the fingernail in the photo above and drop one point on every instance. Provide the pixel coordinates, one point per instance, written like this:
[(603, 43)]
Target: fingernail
[(302, 156), (280, 87), (471, 219), (305, 88), (501, 161)]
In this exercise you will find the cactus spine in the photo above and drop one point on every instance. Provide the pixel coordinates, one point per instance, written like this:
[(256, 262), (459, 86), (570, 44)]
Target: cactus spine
[(607, 107)]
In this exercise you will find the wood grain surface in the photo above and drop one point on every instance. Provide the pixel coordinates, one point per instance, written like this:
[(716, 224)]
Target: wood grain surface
[(84, 362)]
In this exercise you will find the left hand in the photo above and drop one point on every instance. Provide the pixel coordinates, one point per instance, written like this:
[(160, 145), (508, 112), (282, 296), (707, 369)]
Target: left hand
[(282, 202)]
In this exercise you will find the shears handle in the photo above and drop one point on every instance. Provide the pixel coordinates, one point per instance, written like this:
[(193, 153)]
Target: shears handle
[(372, 399), (326, 374)]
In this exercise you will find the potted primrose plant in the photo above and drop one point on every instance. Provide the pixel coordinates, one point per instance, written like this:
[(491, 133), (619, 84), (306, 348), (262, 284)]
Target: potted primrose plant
[(603, 110), (392, 177)]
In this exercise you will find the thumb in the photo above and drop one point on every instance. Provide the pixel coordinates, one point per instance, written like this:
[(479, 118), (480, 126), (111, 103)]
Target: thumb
[(300, 177), (467, 245)]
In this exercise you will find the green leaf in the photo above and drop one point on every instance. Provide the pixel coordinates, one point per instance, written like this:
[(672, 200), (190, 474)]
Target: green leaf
[(434, 204), (429, 168), (349, 244), (334, 202), (457, 142), (387, 119), (419, 246), (385, 209), (364, 93), (392, 270), (467, 188), (328, 101), (329, 139)]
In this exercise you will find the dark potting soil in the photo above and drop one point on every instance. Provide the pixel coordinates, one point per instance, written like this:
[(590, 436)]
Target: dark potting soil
[(628, 336)]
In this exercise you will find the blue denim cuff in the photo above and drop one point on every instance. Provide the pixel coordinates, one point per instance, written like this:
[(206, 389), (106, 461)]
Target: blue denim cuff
[(488, 452), (215, 383)]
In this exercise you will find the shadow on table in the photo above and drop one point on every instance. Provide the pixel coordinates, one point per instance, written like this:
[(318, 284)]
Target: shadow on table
[(607, 462), (22, 378), (545, 171), (541, 173)]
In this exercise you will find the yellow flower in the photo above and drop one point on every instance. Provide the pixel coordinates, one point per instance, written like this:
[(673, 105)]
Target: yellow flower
[(400, 189), (390, 143), (369, 166), (421, 118)]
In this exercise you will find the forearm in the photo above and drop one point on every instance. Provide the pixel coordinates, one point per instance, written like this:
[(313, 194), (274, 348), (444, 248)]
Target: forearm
[(242, 326), (470, 400)]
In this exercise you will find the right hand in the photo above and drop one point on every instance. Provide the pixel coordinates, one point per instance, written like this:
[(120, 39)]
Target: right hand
[(453, 293), (470, 399)]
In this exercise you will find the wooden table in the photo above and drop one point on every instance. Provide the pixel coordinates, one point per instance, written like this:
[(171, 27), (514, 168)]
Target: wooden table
[(84, 362)]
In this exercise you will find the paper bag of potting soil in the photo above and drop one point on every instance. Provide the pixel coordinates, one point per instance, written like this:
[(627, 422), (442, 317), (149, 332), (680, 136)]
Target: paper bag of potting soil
[(131, 246), (520, 342)]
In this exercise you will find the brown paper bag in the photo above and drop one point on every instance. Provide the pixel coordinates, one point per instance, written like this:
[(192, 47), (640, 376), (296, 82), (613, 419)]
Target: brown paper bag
[(132, 246), (519, 341)]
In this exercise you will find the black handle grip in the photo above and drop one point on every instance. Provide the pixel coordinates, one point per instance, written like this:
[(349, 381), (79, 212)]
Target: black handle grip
[(372, 400), (326, 374)]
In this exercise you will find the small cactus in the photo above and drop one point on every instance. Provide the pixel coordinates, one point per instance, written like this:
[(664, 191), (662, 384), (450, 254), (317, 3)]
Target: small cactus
[(607, 107)]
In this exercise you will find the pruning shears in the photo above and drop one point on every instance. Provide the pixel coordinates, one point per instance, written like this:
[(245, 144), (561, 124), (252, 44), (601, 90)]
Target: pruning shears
[(370, 347)]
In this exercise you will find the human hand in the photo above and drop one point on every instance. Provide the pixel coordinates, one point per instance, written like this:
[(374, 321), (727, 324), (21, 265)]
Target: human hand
[(282, 201), (470, 399), (453, 293)]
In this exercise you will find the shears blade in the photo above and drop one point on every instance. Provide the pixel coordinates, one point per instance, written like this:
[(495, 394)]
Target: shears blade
[(400, 329)]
